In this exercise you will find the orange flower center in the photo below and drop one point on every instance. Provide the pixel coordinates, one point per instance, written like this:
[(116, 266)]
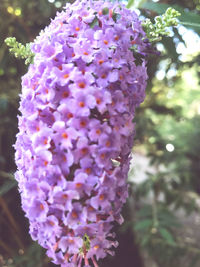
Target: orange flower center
[(103, 76), (45, 141), (78, 185), (82, 123), (70, 115), (96, 247), (103, 156), (65, 135), (74, 215), (84, 150), (91, 208), (60, 24), (41, 206), (66, 76), (82, 85), (98, 101), (88, 170), (108, 143), (81, 104), (64, 196), (101, 197), (65, 94), (98, 131), (105, 42)]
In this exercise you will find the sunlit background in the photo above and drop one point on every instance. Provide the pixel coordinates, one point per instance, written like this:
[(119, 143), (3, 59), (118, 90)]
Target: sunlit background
[(162, 214)]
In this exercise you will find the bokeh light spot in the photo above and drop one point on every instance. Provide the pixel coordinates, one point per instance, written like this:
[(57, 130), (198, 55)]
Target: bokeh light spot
[(170, 147), (10, 10), (58, 4), (18, 12)]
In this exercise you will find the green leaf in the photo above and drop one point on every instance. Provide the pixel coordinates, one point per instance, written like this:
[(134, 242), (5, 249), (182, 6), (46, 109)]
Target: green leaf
[(171, 50), (145, 240), (189, 19), (146, 211), (156, 7), (144, 224), (94, 22), (167, 236), (116, 16), (3, 104), (105, 11), (130, 3), (167, 218), (7, 186), (34, 251)]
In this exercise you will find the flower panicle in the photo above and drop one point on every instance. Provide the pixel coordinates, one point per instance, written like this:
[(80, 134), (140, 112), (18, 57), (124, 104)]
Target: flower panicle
[(76, 129)]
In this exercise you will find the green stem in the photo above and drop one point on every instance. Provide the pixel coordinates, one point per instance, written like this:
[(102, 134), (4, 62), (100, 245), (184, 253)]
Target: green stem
[(190, 24), (154, 212), (194, 250)]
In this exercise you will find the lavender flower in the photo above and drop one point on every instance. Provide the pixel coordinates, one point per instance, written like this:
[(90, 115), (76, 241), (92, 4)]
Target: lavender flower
[(77, 104)]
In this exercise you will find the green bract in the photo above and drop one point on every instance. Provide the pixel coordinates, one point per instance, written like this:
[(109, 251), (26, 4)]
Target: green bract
[(155, 31), (20, 50)]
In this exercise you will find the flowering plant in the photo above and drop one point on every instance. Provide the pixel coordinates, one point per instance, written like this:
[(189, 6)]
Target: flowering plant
[(88, 74)]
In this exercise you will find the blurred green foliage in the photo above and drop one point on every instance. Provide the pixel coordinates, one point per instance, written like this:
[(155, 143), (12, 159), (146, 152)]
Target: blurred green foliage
[(168, 130)]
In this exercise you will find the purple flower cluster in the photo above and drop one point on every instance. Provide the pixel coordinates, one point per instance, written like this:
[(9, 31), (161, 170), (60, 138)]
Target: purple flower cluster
[(76, 131)]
